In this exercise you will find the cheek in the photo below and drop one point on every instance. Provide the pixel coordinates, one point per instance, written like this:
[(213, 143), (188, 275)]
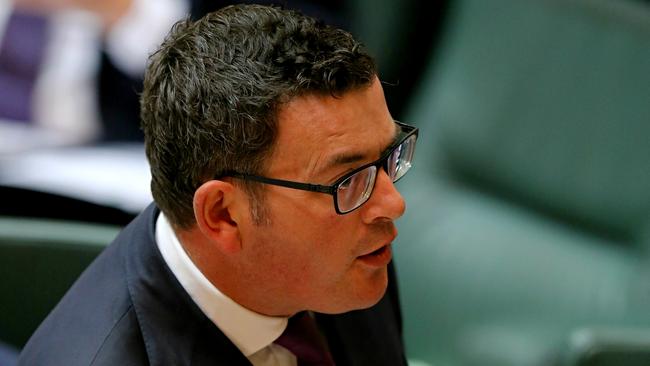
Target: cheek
[(314, 250), (312, 220), (307, 239)]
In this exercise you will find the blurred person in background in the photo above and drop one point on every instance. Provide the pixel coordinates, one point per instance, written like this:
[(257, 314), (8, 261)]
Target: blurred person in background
[(71, 69)]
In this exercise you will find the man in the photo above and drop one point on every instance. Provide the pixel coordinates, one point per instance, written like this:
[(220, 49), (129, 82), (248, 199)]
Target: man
[(273, 158)]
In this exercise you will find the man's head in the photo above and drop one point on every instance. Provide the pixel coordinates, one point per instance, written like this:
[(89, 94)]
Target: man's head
[(257, 91), (213, 91)]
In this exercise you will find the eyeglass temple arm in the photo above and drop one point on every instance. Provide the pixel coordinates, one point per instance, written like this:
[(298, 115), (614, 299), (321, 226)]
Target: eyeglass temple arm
[(286, 183)]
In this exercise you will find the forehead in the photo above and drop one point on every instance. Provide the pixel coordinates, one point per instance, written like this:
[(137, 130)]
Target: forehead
[(315, 131)]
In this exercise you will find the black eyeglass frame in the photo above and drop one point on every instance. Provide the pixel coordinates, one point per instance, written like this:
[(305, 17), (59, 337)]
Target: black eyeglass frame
[(406, 131)]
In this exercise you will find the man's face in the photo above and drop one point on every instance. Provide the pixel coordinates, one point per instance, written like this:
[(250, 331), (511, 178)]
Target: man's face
[(308, 256)]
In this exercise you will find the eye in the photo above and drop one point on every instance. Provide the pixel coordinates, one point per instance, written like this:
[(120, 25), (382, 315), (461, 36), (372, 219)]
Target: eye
[(345, 184)]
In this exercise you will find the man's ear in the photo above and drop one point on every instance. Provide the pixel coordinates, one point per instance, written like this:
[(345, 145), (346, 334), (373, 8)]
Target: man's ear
[(213, 203)]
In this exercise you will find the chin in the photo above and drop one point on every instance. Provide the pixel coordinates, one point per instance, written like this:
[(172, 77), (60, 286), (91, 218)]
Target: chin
[(375, 292), (361, 297)]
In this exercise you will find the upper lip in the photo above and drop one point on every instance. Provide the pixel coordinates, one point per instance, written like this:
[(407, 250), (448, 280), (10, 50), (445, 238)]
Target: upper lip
[(384, 243)]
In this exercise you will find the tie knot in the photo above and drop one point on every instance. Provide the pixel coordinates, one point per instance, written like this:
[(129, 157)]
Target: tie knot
[(304, 340)]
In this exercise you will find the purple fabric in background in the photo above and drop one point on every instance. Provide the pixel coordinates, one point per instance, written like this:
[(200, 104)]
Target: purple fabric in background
[(21, 54)]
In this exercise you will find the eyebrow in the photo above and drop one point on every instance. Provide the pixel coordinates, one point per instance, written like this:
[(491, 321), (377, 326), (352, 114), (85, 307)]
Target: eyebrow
[(355, 157)]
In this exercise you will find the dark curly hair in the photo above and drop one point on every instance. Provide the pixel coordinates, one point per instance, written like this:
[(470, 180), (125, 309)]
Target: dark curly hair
[(213, 90)]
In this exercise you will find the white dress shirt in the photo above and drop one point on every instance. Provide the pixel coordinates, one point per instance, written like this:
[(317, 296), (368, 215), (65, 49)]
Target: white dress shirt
[(251, 332)]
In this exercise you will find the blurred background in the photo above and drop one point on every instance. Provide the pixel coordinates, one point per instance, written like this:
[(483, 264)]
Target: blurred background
[(527, 235)]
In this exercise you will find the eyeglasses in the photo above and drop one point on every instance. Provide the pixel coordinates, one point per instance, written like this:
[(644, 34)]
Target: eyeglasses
[(355, 188)]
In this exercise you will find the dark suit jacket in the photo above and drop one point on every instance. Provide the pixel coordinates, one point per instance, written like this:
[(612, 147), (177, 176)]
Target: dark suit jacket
[(127, 308)]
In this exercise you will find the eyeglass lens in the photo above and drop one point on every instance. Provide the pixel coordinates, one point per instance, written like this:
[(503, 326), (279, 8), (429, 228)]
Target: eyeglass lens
[(356, 190)]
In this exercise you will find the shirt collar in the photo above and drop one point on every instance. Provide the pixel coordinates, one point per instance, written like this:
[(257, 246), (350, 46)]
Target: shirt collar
[(246, 329)]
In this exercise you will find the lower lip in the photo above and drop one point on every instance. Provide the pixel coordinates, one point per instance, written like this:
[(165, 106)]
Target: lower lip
[(379, 258)]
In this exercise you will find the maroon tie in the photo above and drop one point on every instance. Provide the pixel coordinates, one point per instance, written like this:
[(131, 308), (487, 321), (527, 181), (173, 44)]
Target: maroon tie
[(304, 340)]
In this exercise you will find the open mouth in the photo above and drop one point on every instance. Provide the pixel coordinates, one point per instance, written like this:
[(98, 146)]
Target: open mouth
[(378, 258), (379, 251)]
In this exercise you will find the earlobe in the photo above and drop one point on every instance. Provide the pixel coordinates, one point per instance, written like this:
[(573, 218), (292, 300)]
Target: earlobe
[(212, 210)]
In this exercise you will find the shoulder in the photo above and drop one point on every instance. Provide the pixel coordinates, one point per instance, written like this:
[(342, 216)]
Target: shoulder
[(119, 344)]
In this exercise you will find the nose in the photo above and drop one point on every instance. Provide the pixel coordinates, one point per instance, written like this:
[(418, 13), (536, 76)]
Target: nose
[(385, 203)]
